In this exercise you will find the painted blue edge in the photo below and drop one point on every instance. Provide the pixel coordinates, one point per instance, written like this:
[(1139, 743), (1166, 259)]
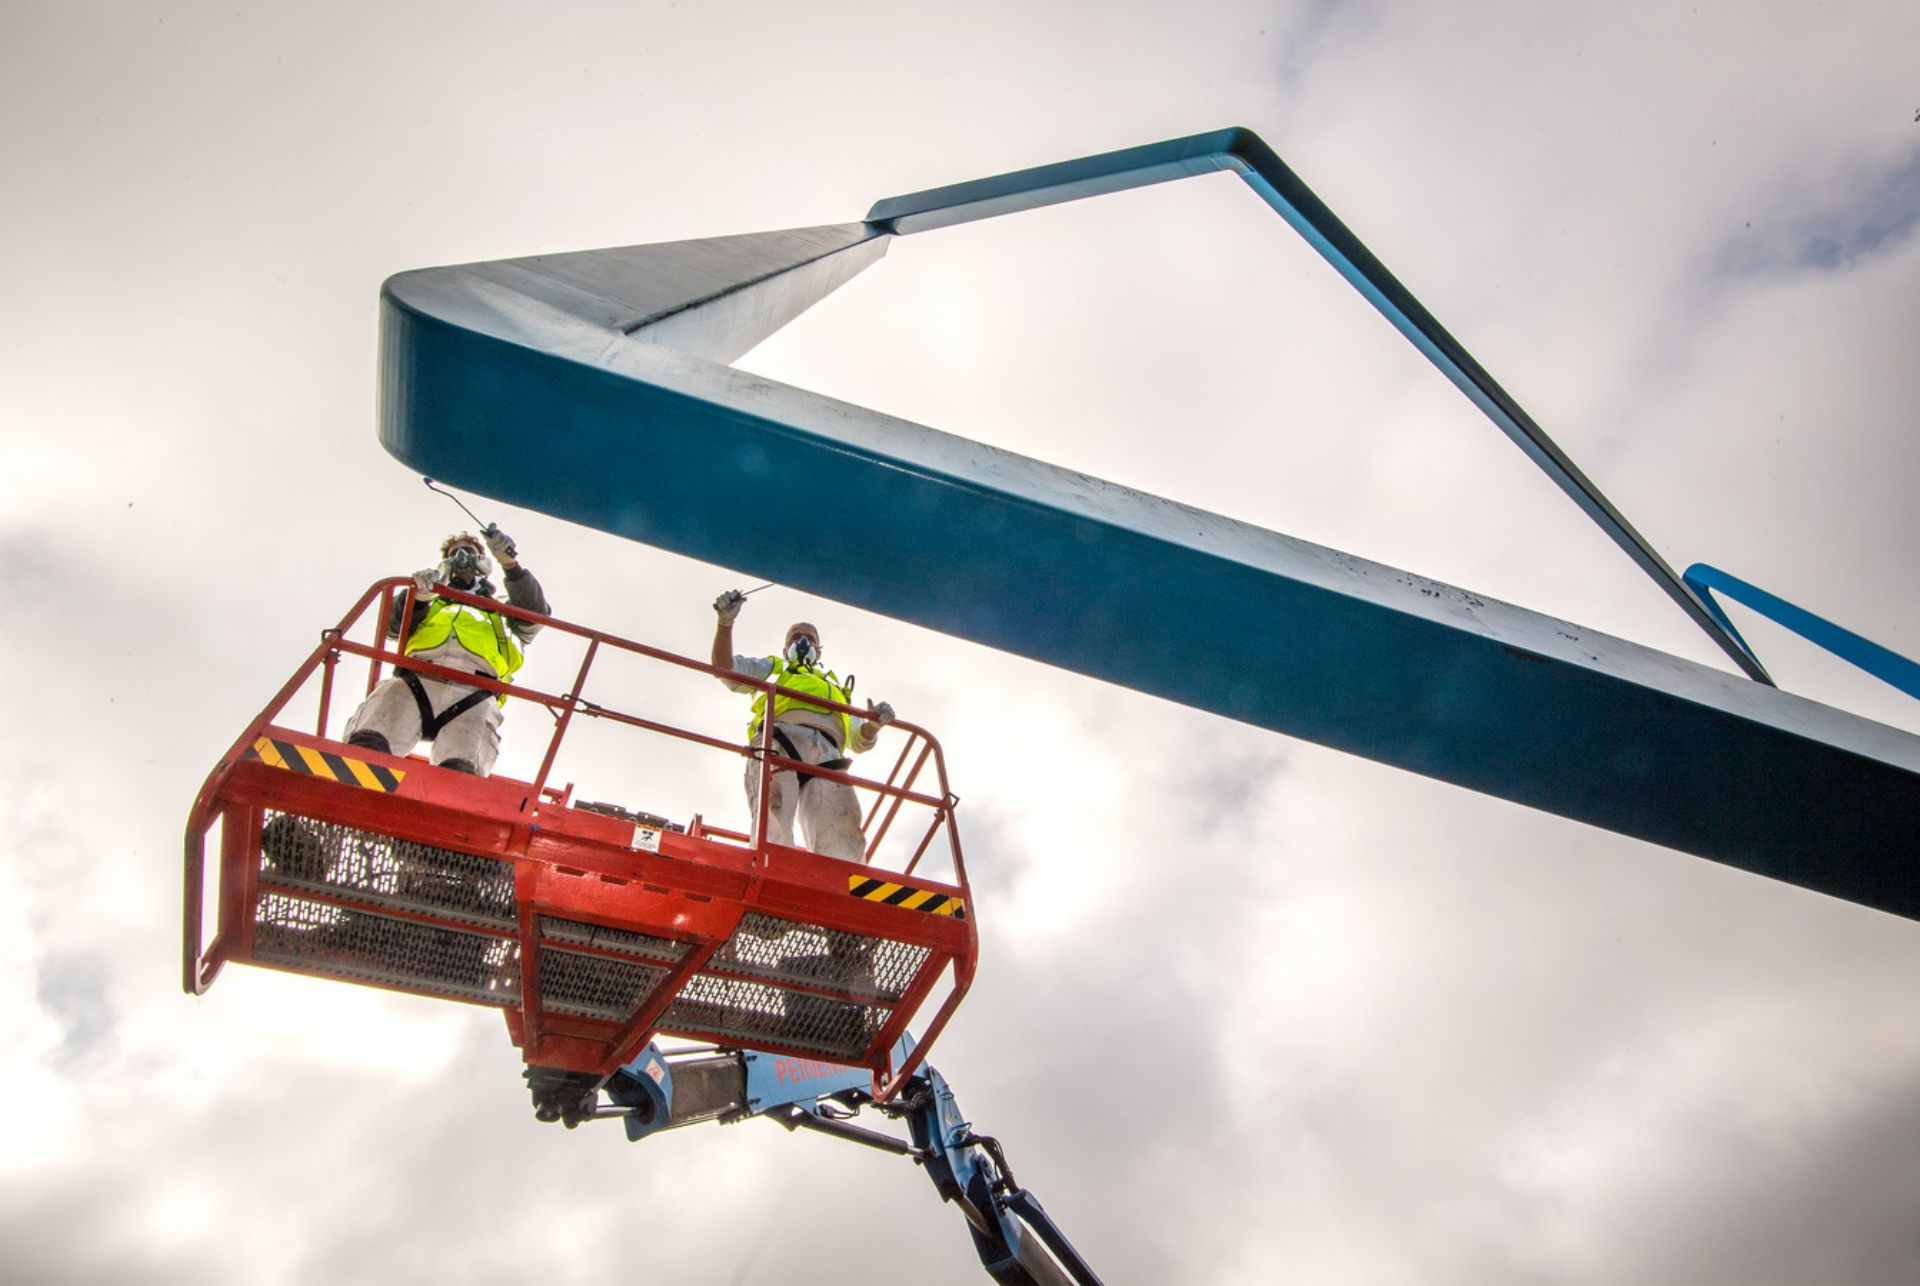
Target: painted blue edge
[(1882, 663), (1244, 152)]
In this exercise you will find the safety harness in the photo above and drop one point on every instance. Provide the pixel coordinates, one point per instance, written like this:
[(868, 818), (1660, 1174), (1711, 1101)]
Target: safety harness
[(443, 619), (431, 723), (793, 752)]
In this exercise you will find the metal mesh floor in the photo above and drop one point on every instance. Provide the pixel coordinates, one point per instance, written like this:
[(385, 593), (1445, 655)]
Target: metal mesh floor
[(327, 857), (314, 937), (478, 958), (598, 935), (789, 951), (594, 986), (732, 1009)]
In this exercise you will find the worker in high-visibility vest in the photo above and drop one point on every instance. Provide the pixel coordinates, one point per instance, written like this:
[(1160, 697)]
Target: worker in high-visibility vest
[(462, 723), (826, 810)]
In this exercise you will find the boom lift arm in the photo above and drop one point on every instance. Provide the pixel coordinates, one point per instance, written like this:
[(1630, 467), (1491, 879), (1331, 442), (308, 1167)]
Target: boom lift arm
[(1019, 1244)]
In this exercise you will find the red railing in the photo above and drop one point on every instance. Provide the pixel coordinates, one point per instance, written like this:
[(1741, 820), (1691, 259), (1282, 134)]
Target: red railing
[(200, 966)]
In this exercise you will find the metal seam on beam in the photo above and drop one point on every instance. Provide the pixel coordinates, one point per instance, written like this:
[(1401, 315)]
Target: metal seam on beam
[(633, 328)]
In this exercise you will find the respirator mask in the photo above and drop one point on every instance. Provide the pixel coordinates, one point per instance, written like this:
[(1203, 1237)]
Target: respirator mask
[(464, 563), (802, 651)]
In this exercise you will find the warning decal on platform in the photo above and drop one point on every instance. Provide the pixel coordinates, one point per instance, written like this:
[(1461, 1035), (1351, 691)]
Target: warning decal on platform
[(905, 895), (319, 763)]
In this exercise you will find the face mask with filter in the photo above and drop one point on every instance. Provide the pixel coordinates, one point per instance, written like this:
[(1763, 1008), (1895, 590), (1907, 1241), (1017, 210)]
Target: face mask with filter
[(464, 563)]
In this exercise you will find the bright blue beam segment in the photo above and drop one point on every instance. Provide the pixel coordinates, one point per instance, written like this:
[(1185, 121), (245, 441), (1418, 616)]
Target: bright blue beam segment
[(1883, 664), (1243, 152)]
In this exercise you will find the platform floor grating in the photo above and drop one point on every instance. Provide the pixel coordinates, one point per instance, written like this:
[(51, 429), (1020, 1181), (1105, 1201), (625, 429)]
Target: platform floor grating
[(359, 946), (327, 857), (577, 933), (788, 951), (586, 970), (572, 982), (736, 1010)]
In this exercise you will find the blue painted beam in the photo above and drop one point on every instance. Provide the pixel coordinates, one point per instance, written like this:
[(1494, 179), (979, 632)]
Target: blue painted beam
[(1882, 663), (1243, 152), (532, 387)]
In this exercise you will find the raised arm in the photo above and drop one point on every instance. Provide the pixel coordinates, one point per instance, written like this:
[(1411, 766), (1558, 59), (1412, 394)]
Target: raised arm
[(725, 609), (523, 589)]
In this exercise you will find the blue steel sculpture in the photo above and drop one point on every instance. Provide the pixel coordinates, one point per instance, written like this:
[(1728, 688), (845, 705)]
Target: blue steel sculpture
[(594, 386)]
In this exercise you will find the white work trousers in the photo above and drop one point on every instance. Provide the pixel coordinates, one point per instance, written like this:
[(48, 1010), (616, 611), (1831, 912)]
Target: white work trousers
[(828, 811), (391, 711)]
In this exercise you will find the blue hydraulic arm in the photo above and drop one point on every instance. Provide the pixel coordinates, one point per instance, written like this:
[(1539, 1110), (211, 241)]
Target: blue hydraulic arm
[(1018, 1243)]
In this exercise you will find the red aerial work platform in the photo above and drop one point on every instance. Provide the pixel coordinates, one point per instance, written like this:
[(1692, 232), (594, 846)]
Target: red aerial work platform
[(593, 927)]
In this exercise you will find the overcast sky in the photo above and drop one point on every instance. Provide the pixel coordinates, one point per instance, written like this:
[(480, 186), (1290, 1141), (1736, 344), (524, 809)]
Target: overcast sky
[(1248, 1010)]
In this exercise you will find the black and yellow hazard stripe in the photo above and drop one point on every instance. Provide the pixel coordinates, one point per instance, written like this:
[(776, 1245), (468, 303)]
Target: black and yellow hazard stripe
[(933, 903), (318, 763)]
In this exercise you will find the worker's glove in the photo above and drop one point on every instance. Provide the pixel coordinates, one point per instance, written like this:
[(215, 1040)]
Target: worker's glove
[(727, 606), (879, 715), (501, 545), (424, 580)]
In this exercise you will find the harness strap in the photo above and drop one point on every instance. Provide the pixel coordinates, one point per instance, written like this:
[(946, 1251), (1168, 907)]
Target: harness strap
[(793, 752), (431, 723)]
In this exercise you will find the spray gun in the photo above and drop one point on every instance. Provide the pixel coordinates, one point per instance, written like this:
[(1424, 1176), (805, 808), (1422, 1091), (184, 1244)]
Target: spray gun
[(486, 529), (489, 529)]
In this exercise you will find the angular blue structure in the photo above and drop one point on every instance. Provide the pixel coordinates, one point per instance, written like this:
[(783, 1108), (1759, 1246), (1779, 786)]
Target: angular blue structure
[(594, 386)]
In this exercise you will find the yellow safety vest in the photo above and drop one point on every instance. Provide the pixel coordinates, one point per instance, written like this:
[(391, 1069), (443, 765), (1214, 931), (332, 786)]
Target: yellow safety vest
[(806, 681), (480, 632)]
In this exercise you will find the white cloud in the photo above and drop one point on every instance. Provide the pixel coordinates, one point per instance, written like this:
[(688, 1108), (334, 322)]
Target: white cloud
[(1248, 1010)]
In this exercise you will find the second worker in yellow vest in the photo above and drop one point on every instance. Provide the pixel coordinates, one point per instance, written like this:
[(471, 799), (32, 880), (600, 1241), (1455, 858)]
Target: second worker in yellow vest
[(825, 810)]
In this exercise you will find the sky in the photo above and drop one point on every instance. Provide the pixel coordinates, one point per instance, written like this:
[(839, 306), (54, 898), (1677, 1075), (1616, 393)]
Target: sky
[(1248, 1010)]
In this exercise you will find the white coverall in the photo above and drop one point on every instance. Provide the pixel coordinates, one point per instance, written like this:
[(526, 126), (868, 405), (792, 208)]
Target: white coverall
[(391, 711), (827, 810), (474, 736)]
